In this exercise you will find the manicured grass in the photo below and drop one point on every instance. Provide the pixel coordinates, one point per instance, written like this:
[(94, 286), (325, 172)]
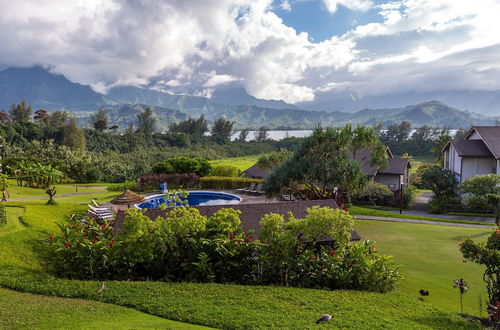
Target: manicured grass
[(222, 306), (471, 214), (41, 312), (358, 210), (241, 163), (430, 260), (16, 191)]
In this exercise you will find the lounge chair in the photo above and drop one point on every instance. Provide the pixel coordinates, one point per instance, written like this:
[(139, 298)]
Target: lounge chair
[(108, 217), (101, 211), (258, 190), (251, 188)]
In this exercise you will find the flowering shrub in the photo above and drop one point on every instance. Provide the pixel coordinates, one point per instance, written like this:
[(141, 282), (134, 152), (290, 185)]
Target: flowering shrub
[(83, 250), (183, 245), (487, 254)]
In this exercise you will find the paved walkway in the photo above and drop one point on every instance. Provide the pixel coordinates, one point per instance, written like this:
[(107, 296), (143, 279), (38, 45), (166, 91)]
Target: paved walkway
[(427, 222), (420, 209)]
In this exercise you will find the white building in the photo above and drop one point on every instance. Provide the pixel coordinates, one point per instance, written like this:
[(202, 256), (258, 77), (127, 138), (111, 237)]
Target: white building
[(477, 154)]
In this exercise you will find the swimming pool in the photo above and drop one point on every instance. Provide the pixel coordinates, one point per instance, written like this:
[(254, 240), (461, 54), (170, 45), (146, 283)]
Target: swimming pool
[(195, 198)]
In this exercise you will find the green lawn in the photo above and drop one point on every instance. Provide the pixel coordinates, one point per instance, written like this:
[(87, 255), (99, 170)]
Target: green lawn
[(42, 312), (359, 210), (430, 260), (241, 163), (16, 191), (420, 250)]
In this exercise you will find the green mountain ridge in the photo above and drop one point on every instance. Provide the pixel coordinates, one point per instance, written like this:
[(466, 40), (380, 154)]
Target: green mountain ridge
[(44, 89)]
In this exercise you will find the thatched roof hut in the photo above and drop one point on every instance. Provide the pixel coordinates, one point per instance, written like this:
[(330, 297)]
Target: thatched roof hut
[(128, 198)]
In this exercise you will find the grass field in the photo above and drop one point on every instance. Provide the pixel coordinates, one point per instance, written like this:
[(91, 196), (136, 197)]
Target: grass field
[(242, 163), (430, 260), (16, 191), (42, 312), (420, 251)]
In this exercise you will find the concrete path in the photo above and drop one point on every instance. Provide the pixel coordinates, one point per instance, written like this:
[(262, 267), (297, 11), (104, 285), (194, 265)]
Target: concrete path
[(420, 209), (427, 222)]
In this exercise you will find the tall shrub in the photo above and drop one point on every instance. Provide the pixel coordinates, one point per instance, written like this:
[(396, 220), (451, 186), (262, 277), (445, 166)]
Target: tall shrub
[(150, 182), (488, 255), (441, 181), (181, 165)]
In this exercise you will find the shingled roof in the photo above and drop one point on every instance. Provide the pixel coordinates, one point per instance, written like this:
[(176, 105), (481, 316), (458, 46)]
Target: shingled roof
[(396, 166), (471, 148), (256, 172), (490, 136), (251, 214)]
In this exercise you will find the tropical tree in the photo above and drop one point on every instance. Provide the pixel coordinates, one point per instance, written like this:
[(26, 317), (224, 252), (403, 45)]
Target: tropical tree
[(21, 113), (262, 134), (99, 120), (221, 130), (194, 128), (73, 135), (243, 135), (325, 161), (146, 123)]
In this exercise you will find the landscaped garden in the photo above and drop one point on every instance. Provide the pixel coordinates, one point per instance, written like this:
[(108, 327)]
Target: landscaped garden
[(430, 262)]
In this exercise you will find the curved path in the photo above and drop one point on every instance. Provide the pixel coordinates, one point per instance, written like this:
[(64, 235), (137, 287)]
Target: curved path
[(45, 197), (427, 222)]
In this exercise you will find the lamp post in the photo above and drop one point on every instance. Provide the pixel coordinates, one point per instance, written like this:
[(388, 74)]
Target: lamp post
[(401, 184)]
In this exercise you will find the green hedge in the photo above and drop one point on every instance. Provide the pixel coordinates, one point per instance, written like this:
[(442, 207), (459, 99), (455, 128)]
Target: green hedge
[(127, 185), (221, 182)]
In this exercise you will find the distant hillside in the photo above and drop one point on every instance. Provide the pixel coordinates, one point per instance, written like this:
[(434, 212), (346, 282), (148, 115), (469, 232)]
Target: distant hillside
[(428, 113), (46, 90), (125, 114), (53, 92)]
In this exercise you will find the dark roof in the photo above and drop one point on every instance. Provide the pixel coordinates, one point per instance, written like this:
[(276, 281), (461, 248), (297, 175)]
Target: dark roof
[(471, 148), (364, 158), (396, 166), (490, 136), (256, 172), (251, 214)]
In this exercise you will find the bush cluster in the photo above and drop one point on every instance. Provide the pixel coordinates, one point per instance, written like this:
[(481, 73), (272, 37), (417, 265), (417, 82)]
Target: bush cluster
[(3, 215), (488, 255), (185, 246), (150, 182), (443, 204), (409, 195), (376, 193), (126, 185), (181, 165), (218, 182)]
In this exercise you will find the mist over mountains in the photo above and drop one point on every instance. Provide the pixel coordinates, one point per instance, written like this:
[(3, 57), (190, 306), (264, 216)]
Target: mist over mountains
[(49, 91)]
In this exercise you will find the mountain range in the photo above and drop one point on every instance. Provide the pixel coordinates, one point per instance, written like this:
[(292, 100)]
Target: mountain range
[(50, 91)]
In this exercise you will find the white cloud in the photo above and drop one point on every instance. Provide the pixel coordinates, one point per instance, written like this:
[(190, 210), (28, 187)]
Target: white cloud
[(286, 5), (219, 79), (361, 5), (196, 45)]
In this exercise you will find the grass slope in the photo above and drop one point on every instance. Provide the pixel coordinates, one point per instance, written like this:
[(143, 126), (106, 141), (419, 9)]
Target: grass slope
[(430, 260), (242, 163), (41, 312), (222, 306)]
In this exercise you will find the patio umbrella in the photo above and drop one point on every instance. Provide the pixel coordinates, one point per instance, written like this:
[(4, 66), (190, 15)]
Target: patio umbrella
[(127, 198)]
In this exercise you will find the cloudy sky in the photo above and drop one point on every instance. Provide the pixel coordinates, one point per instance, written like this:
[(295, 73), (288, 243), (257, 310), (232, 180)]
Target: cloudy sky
[(294, 50)]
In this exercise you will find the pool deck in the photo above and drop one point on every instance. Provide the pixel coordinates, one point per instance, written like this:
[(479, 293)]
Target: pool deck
[(246, 198)]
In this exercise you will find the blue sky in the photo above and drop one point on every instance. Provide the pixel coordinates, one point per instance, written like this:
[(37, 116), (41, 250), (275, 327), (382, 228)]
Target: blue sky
[(314, 18)]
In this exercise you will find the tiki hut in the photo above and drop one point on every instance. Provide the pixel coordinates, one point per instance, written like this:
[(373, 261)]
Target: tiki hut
[(128, 198)]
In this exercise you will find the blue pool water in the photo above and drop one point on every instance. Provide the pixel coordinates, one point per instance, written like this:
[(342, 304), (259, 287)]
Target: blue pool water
[(195, 198)]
